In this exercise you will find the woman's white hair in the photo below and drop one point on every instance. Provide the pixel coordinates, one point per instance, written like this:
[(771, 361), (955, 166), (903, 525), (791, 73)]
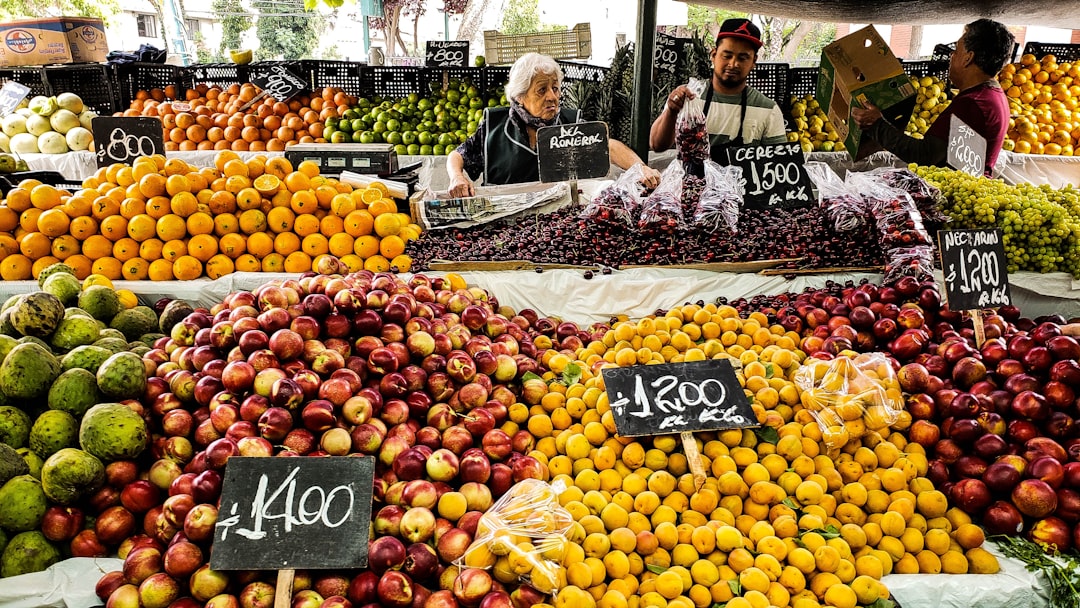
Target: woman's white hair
[(527, 67)]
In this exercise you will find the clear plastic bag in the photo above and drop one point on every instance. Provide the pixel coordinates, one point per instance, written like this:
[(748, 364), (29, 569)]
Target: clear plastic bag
[(844, 208), (897, 219), (916, 262), (664, 205), (720, 199), (619, 202), (850, 397), (528, 527), (691, 136), (928, 199)]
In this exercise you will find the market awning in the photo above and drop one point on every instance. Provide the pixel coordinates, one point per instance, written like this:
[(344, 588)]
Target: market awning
[(1050, 13)]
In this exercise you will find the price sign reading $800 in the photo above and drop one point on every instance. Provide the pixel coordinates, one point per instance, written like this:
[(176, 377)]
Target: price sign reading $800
[(124, 139)]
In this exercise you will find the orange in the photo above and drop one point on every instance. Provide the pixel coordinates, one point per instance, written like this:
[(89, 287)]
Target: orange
[(280, 219), (247, 263), (175, 166), (221, 158), (114, 227), (150, 249), (298, 261), (218, 266), (202, 247), (141, 168), (184, 204), (331, 224), (315, 245), (80, 264), (306, 224), (260, 244), (286, 243), (353, 262), (78, 206), (308, 168), (175, 184), (8, 245), (297, 181), (35, 245), (8, 219), (304, 201), (226, 223), (171, 227), (279, 167), (142, 227), (391, 246), (108, 267), (160, 270), (325, 194), (200, 223), (274, 262), (376, 263), (42, 264), (402, 263), (235, 167), (151, 185), (45, 197), (124, 177), (232, 245), (341, 244), (236, 183), (359, 223), (252, 221), (267, 184), (65, 246), (187, 268), (28, 219), (370, 195), (222, 201), (125, 249), (366, 246), (18, 199), (256, 166), (83, 227), (381, 187), (53, 222), (96, 246), (342, 205), (381, 206), (158, 206), (387, 224), (104, 206), (16, 267), (132, 207), (135, 269), (173, 250)]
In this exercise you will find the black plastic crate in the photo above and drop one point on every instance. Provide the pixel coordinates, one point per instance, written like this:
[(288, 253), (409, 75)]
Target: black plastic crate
[(220, 74), (495, 77), (134, 77), (345, 75), (29, 76), (582, 71), (930, 67), (389, 82), (1061, 51), (433, 79), (801, 82), (770, 79), (92, 82)]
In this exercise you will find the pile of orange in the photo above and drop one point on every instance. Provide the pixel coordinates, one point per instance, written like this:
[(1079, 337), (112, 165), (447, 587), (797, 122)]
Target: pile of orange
[(164, 219), (1044, 100), (211, 118)]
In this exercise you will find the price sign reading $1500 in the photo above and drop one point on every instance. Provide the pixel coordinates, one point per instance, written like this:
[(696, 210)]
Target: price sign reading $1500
[(123, 139), (288, 513), (677, 397), (973, 262)]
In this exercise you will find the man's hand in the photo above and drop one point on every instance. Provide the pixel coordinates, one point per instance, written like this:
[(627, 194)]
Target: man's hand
[(461, 187), (678, 97), (650, 178), (866, 117)]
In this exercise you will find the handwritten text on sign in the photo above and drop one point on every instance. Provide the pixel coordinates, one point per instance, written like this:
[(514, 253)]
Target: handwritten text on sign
[(666, 53), (973, 262), (447, 53), (967, 149), (123, 139), (672, 398), (278, 82), (773, 176), (11, 95), (279, 513), (574, 151)]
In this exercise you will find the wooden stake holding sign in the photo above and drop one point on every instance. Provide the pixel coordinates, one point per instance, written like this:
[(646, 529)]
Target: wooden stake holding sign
[(289, 513), (973, 262), (567, 153), (678, 398)]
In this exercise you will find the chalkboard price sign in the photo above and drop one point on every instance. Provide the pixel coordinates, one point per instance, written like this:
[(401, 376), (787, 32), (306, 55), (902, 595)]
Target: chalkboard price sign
[(447, 54), (773, 176), (11, 95), (967, 149), (677, 397), (291, 513), (973, 262), (123, 139), (575, 151), (666, 53), (278, 82)]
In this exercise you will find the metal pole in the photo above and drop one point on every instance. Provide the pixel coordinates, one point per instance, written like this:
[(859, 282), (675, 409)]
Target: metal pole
[(643, 64), (446, 25)]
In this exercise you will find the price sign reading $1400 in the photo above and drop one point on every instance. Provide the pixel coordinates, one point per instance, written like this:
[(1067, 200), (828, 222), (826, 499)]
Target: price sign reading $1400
[(282, 513), (677, 397), (123, 139), (973, 262)]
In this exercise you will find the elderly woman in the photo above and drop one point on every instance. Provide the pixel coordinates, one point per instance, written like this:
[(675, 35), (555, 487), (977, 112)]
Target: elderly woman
[(503, 148)]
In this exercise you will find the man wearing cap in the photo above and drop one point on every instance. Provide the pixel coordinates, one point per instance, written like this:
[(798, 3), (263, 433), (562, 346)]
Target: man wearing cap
[(735, 112)]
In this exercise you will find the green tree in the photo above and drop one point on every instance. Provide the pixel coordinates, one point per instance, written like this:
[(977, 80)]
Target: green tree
[(103, 9), (285, 31), (523, 17), (705, 21), (233, 24)]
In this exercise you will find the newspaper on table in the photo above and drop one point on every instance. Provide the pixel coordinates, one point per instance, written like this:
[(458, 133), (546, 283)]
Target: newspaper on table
[(489, 204)]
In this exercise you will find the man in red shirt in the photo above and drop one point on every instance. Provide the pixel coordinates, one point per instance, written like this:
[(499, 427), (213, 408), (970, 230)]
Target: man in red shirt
[(983, 49)]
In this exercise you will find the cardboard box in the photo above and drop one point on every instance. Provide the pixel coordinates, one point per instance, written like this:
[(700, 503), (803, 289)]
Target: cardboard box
[(860, 67), (52, 40), (332, 159)]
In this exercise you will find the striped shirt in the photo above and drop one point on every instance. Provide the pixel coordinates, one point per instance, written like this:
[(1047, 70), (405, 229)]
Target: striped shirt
[(764, 123)]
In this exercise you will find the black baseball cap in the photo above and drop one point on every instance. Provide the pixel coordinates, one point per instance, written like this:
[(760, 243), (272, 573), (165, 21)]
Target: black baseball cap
[(743, 29)]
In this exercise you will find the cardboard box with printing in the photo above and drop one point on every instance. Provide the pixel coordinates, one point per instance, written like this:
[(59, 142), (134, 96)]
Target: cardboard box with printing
[(857, 68), (52, 40)]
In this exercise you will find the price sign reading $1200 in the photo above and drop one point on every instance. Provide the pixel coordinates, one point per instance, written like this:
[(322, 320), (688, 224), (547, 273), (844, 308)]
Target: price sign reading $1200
[(973, 263)]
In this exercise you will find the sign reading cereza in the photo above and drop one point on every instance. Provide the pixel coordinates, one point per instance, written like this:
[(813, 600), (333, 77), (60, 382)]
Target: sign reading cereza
[(973, 262), (447, 54), (574, 151), (773, 176), (123, 139), (289, 513), (967, 149), (677, 397), (278, 82)]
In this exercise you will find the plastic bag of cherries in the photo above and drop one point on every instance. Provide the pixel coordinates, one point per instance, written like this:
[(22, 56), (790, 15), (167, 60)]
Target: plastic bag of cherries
[(721, 198), (663, 207), (915, 262), (691, 137), (844, 208), (619, 202), (897, 219)]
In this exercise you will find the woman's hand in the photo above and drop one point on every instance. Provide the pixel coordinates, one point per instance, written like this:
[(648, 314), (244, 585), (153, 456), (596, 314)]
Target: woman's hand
[(461, 187), (866, 117), (678, 97), (650, 178)]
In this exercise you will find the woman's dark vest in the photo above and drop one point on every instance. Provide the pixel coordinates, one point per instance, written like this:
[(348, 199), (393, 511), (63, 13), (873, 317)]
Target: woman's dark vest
[(508, 159)]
